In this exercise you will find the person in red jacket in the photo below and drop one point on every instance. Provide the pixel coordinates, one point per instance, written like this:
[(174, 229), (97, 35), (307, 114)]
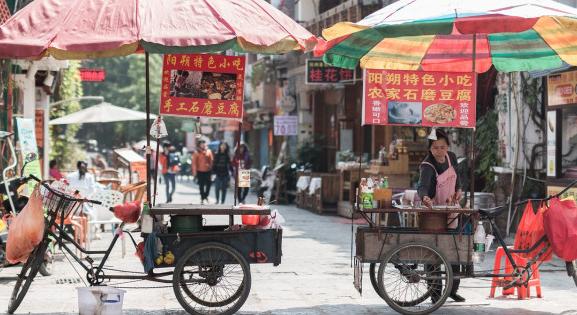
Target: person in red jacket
[(201, 169)]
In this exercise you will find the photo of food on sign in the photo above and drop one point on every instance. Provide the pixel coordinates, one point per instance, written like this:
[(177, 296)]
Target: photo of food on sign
[(204, 85), (405, 112), (440, 113)]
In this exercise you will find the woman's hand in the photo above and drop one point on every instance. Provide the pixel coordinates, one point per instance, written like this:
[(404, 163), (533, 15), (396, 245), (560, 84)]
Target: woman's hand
[(457, 197), (428, 202)]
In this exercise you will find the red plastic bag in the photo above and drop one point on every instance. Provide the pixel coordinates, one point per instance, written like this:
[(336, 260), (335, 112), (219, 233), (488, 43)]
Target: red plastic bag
[(560, 223), (26, 230), (538, 231), (523, 237), (129, 212)]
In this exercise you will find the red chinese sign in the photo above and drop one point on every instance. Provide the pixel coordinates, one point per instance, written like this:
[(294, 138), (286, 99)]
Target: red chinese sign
[(419, 98), (319, 72), (92, 75), (203, 85)]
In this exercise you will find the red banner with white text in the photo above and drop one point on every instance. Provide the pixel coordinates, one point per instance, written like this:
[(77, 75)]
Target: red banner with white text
[(419, 98), (203, 85)]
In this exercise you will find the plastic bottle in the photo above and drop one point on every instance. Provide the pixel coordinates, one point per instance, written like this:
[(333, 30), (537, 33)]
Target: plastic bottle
[(146, 220), (479, 244), (385, 182)]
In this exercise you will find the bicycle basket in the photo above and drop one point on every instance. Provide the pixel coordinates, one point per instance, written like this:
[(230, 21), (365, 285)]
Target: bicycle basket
[(58, 199)]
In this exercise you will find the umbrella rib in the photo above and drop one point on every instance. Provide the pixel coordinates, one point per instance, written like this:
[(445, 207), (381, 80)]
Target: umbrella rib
[(279, 24)]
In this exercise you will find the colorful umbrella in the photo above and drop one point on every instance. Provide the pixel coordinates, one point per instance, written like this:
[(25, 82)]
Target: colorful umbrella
[(514, 35), (82, 29)]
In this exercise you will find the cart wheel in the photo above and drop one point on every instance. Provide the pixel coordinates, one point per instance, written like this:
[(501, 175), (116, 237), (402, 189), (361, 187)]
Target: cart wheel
[(373, 276), (412, 273), (26, 275), (373, 273), (572, 270), (211, 278)]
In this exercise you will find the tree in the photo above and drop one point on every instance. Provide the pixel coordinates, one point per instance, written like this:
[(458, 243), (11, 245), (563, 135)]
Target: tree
[(125, 86), (63, 137)]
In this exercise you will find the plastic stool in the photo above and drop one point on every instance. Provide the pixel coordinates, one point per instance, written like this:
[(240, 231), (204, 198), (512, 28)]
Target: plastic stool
[(522, 291)]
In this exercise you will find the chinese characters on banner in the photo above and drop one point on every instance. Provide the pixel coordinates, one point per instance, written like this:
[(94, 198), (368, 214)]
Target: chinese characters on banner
[(419, 98), (319, 72), (203, 85), (286, 125)]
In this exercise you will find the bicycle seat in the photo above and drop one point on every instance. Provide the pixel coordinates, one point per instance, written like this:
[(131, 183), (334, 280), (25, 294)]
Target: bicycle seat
[(491, 212)]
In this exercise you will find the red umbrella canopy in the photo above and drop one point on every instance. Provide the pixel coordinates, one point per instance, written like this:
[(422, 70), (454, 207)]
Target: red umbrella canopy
[(78, 29)]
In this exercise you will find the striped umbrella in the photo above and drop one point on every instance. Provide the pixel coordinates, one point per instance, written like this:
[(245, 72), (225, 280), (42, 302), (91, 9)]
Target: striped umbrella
[(438, 35), (86, 29)]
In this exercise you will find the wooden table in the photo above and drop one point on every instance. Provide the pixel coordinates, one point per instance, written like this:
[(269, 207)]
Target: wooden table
[(190, 209), (414, 211)]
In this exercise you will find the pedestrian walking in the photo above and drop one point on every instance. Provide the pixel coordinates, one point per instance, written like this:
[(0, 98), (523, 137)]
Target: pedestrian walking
[(170, 164), (241, 161), (201, 169), (221, 169)]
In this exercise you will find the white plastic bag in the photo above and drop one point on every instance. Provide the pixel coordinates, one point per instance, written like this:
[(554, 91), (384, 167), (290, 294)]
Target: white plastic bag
[(273, 221), (158, 129)]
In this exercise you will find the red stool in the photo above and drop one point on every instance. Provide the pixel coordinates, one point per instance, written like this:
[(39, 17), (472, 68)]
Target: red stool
[(522, 291)]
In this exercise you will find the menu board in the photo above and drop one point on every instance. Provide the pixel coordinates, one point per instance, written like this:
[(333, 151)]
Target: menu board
[(203, 85), (419, 98)]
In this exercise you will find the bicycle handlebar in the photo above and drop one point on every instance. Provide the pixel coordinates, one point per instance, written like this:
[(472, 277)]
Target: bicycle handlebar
[(52, 190)]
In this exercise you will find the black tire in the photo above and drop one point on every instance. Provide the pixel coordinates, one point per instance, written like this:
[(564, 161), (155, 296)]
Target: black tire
[(26, 275), (407, 267), (373, 273), (373, 276), (213, 266), (47, 265), (572, 270)]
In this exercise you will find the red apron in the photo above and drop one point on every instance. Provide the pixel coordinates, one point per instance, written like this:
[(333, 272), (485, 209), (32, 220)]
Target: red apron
[(445, 189)]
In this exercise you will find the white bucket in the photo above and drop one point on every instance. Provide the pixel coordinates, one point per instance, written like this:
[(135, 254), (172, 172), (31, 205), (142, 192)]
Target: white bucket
[(100, 301)]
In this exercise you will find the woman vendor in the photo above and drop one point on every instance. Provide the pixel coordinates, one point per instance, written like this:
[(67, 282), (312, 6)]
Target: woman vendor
[(439, 183)]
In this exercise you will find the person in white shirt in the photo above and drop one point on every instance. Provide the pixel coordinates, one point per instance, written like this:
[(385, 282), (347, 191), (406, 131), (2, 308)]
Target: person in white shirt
[(82, 180)]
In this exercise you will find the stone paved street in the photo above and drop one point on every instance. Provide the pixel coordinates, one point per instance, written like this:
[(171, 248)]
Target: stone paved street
[(315, 277)]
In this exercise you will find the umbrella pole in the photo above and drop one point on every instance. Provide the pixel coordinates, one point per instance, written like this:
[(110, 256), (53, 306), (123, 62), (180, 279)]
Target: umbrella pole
[(156, 170), (148, 149), (472, 184), (236, 188)]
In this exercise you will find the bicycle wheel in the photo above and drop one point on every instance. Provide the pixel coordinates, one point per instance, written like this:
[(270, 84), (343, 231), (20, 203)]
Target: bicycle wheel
[(572, 270), (26, 275), (211, 278), (48, 263), (412, 273)]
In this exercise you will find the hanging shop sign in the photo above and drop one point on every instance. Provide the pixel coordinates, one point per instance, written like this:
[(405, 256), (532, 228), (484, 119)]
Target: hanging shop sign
[(243, 178), (203, 85), (92, 75), (286, 125), (419, 98), (319, 72), (562, 88), (551, 143)]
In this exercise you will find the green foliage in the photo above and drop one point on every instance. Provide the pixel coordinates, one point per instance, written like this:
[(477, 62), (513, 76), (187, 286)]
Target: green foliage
[(125, 86), (487, 139), (311, 152), (63, 137)]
